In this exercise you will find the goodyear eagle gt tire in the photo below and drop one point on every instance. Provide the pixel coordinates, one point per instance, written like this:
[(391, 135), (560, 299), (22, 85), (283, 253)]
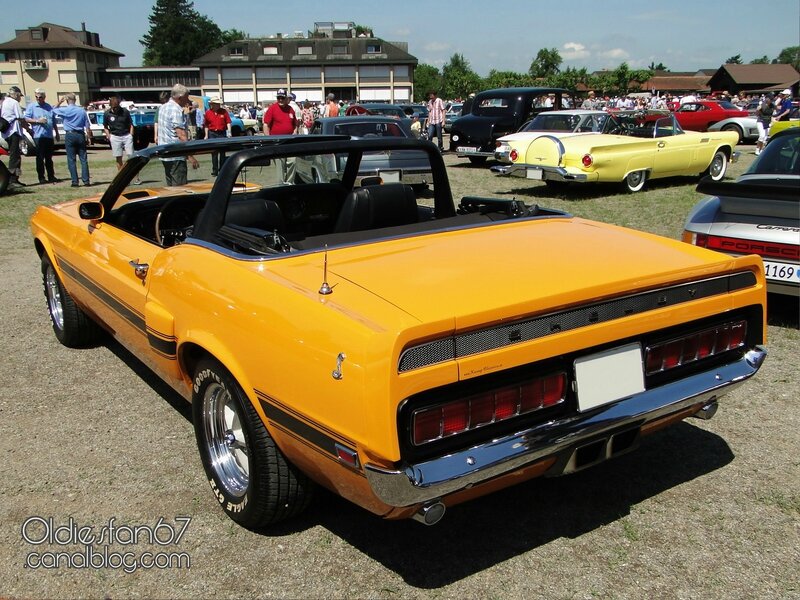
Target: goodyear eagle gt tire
[(73, 327), (250, 477)]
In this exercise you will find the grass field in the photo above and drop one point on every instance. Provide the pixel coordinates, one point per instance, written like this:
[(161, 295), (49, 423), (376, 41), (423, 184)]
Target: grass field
[(704, 509)]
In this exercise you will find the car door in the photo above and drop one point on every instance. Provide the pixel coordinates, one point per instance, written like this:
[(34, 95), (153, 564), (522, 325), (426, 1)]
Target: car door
[(673, 154), (691, 116)]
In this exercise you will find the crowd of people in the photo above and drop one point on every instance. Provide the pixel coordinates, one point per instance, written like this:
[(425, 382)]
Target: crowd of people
[(180, 119)]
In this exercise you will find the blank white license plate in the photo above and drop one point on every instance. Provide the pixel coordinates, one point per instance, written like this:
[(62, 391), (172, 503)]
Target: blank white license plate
[(467, 149), (534, 173), (390, 176), (609, 376), (781, 271)]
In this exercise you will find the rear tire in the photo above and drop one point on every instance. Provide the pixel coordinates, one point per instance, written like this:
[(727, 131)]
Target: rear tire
[(250, 477), (718, 167), (635, 181), (477, 160), (73, 327)]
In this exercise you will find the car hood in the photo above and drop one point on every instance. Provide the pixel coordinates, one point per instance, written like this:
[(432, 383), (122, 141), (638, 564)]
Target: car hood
[(474, 276)]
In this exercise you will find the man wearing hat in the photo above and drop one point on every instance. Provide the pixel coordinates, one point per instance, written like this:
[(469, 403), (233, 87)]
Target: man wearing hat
[(40, 115), (11, 111), (218, 125), (280, 118), (783, 106)]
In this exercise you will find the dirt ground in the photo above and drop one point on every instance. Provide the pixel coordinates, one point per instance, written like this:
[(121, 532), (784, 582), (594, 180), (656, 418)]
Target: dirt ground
[(93, 442)]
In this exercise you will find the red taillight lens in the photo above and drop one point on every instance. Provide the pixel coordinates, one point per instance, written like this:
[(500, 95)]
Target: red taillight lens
[(437, 422), (513, 155), (587, 160), (696, 346)]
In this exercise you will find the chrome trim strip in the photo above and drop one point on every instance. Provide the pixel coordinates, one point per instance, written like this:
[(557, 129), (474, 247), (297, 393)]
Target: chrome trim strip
[(435, 478), (526, 329)]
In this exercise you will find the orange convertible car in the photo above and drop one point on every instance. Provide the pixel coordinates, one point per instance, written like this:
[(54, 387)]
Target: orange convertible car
[(405, 351)]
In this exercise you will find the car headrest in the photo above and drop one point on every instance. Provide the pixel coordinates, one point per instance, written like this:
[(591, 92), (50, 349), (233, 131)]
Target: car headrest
[(377, 206)]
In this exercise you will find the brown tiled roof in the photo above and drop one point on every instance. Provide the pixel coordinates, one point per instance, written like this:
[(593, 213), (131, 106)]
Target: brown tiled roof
[(676, 82), (56, 37), (771, 74)]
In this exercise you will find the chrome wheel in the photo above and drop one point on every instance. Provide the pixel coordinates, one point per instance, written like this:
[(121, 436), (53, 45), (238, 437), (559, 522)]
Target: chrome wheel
[(635, 180), (718, 166), (54, 303), (225, 440)]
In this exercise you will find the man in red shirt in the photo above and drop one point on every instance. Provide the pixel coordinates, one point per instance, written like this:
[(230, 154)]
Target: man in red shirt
[(280, 118), (218, 125)]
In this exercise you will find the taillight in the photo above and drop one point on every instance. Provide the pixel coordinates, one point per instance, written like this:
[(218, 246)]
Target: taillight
[(695, 346), (437, 422), (696, 239), (513, 155), (587, 160)]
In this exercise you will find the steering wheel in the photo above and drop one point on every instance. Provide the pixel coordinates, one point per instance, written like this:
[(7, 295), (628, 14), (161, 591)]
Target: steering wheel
[(163, 232)]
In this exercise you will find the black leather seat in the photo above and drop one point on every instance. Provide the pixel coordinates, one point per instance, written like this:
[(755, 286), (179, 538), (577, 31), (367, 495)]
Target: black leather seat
[(255, 213), (377, 206)]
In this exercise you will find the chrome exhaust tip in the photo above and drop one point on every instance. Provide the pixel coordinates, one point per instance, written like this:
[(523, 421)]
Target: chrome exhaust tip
[(430, 514), (708, 411)]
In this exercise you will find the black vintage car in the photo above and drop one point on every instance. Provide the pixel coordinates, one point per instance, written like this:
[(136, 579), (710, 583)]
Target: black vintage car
[(495, 113)]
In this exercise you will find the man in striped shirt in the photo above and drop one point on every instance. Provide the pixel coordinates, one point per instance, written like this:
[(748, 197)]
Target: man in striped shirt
[(435, 118)]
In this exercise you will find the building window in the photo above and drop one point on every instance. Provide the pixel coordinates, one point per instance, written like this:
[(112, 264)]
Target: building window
[(236, 51), (305, 73), (271, 50), (401, 71), (33, 55), (374, 71), (60, 55), (3, 57), (340, 72), (230, 74), (209, 74), (373, 48), (36, 34), (305, 50), (341, 49)]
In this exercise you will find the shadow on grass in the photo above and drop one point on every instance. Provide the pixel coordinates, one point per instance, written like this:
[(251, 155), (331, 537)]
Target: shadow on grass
[(783, 311), (580, 191), (478, 535)]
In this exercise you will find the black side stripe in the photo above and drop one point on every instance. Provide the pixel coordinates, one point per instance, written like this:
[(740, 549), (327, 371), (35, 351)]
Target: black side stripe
[(165, 345), (292, 412), (301, 430)]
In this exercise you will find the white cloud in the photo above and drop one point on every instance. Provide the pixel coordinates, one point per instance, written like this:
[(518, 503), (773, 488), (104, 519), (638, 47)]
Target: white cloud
[(615, 53), (437, 47), (574, 51)]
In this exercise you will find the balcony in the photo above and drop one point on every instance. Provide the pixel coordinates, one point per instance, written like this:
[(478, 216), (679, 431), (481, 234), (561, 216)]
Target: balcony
[(34, 65)]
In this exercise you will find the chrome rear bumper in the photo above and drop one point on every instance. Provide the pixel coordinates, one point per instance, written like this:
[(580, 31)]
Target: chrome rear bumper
[(435, 478), (541, 173)]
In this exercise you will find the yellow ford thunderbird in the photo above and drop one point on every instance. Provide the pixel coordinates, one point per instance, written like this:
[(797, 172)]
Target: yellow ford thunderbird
[(635, 146), (378, 341)]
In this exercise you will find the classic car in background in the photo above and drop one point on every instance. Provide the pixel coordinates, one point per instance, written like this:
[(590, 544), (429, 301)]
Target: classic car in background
[(701, 114), (638, 145), (745, 127), (323, 332), (557, 123), (377, 108), (792, 121), (415, 110), (453, 113), (496, 113), (406, 166), (759, 213)]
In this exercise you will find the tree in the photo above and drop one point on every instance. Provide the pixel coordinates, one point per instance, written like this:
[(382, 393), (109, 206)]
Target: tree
[(764, 60), (657, 67), (178, 34), (570, 77), (459, 78), (502, 79), (546, 64), (365, 29), (734, 60), (232, 35), (426, 78), (789, 56)]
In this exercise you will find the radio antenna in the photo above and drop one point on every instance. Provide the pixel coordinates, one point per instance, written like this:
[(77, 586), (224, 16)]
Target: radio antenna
[(325, 289)]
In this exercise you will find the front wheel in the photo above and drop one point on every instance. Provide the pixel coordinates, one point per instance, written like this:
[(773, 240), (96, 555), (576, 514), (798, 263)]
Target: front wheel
[(635, 181), (718, 167), (73, 327), (249, 475)]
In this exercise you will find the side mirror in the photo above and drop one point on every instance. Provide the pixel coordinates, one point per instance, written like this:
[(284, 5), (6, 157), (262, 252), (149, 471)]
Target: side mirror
[(91, 211)]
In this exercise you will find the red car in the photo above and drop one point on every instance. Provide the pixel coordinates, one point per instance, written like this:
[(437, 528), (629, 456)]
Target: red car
[(698, 115)]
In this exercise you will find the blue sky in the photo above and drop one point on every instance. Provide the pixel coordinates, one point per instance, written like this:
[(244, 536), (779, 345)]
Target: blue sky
[(684, 35)]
